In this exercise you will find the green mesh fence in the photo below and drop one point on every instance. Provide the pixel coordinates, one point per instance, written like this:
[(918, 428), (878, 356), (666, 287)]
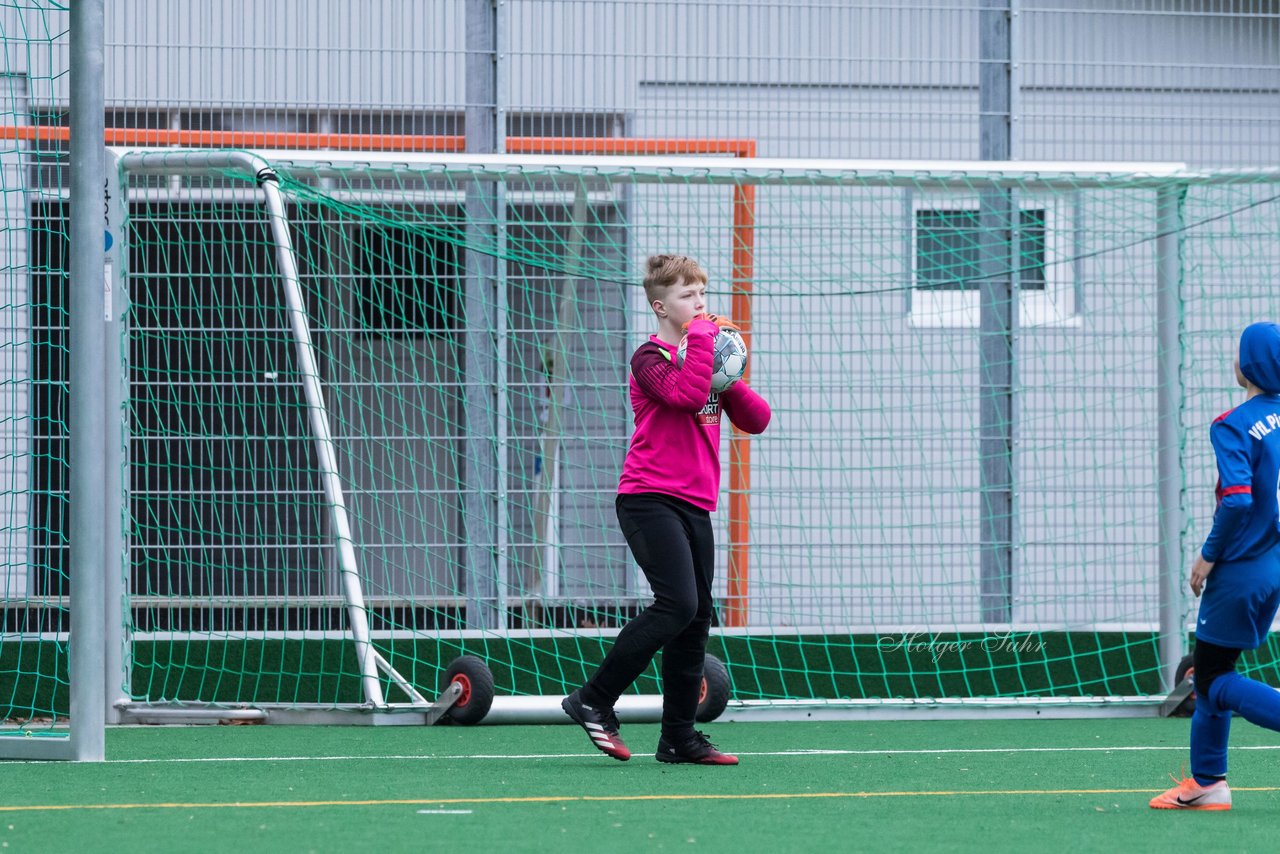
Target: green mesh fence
[(957, 496), (33, 390), (1230, 252)]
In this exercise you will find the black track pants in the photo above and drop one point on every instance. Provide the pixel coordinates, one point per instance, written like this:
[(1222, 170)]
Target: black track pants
[(674, 546)]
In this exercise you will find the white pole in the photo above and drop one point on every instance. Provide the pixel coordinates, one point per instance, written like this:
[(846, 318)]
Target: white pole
[(319, 418), (115, 374)]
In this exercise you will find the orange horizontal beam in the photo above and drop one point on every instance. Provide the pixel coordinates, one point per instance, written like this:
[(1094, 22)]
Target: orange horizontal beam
[(384, 142)]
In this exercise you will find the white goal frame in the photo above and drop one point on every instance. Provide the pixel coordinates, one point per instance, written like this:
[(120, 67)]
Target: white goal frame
[(1162, 178)]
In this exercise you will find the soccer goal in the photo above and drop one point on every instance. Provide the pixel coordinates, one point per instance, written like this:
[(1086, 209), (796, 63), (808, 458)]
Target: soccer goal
[(376, 408)]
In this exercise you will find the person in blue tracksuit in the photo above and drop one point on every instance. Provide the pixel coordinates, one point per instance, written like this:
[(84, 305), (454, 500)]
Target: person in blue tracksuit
[(1237, 574)]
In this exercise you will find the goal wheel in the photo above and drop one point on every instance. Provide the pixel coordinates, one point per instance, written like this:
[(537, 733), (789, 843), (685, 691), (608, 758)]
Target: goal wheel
[(713, 696), (474, 677), (1188, 706)]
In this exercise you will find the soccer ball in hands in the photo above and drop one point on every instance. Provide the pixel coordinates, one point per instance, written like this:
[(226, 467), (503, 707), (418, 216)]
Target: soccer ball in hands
[(729, 359)]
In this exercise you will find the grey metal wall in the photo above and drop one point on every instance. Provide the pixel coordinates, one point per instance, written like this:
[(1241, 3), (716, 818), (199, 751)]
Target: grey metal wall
[(1096, 79)]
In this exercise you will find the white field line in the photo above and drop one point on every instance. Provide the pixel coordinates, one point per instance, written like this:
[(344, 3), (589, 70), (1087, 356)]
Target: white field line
[(442, 757)]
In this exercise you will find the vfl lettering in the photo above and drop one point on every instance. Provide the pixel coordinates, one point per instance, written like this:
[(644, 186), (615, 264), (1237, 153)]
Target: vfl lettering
[(1264, 426)]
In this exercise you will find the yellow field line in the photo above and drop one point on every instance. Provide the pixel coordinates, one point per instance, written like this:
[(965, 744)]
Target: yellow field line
[(548, 799)]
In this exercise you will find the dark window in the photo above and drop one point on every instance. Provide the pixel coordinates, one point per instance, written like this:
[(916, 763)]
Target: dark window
[(565, 124), (225, 491), (50, 405), (382, 121), (225, 495), (949, 245), (406, 281)]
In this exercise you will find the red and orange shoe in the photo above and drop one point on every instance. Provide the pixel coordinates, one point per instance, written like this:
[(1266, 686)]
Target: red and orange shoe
[(694, 749), (1190, 795)]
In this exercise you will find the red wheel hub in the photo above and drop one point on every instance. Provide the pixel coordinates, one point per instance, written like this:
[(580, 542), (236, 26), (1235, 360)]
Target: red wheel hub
[(465, 683)]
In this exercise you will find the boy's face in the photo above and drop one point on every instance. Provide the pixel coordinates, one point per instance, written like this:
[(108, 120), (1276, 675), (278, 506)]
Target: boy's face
[(1244, 383), (682, 302)]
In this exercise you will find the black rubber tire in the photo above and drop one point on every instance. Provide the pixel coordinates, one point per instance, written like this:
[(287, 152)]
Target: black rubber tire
[(1187, 707), (477, 689), (714, 696)]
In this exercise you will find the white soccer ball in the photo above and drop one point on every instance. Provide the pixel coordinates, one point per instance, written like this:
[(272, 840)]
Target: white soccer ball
[(729, 359)]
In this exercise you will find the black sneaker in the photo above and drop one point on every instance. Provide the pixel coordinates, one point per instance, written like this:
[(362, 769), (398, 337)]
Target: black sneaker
[(600, 724), (694, 749)]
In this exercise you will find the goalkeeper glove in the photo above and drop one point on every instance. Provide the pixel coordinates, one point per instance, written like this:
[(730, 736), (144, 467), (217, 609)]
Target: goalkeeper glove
[(721, 322)]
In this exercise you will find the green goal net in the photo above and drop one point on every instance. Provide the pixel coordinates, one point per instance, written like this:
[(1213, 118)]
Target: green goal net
[(35, 614), (965, 496)]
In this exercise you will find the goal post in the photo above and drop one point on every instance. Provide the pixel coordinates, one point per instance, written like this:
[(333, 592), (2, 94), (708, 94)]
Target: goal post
[(849, 572), (52, 585), (371, 664), (638, 205)]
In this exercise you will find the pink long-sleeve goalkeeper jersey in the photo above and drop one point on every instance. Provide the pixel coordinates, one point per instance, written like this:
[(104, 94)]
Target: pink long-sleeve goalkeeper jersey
[(675, 449)]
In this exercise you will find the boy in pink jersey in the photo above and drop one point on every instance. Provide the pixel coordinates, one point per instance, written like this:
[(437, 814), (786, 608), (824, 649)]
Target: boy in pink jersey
[(669, 486)]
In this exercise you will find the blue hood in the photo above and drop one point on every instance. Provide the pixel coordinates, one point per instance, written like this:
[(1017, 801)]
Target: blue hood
[(1260, 356)]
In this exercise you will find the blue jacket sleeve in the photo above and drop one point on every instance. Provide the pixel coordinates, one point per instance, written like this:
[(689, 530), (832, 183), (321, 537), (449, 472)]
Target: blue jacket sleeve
[(1235, 488)]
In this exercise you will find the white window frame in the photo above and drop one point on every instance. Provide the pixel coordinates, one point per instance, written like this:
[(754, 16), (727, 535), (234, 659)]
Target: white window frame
[(1054, 305)]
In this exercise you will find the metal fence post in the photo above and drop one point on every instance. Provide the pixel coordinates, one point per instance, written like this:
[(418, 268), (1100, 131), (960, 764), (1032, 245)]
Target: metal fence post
[(1172, 640), (998, 314), (479, 342), (87, 396)]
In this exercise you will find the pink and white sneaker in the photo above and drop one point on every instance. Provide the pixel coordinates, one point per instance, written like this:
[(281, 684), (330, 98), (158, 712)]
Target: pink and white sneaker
[(1190, 795)]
